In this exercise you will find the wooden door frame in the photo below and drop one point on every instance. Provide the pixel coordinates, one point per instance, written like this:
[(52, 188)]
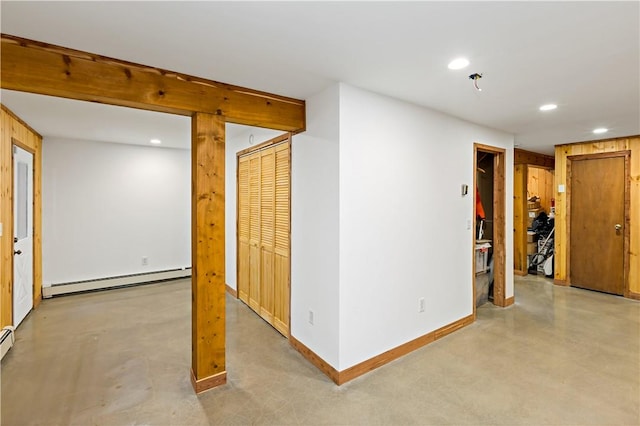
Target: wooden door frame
[(499, 225), (626, 154), (34, 295), (284, 138)]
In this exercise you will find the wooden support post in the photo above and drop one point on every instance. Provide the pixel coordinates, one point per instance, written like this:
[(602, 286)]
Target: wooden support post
[(207, 246)]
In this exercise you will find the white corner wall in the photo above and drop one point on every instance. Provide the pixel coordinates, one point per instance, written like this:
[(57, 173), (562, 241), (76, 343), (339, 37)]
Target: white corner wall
[(234, 142), (403, 223), (107, 205), (314, 228)]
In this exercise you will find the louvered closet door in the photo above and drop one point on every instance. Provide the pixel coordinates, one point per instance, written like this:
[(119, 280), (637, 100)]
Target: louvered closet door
[(267, 230), (254, 232), (263, 233), (282, 249), (243, 229)]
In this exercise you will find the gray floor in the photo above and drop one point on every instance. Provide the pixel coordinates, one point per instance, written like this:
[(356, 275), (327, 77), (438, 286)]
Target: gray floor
[(558, 356)]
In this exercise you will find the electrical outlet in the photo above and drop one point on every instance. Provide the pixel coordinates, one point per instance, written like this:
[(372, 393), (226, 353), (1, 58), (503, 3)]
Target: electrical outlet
[(310, 317), (421, 304), (145, 260)]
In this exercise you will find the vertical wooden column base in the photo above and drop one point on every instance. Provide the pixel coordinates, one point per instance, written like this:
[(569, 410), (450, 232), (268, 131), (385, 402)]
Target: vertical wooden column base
[(207, 383)]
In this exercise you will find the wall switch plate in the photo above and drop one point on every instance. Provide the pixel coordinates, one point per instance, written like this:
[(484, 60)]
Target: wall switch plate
[(464, 190), (561, 188), (421, 304), (310, 317), (145, 260)]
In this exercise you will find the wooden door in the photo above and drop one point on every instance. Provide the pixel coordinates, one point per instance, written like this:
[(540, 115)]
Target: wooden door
[(597, 223), (254, 232), (263, 233), (281, 243), (243, 229), (267, 228)]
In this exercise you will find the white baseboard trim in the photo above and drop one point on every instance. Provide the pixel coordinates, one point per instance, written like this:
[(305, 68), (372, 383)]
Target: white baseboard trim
[(104, 283), (6, 340)]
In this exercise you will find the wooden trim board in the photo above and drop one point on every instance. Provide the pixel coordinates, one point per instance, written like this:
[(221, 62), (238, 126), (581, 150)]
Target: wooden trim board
[(521, 156), (208, 383), (19, 120), (316, 360), (509, 301), (37, 67), (266, 144), (232, 291), (344, 376), (632, 295)]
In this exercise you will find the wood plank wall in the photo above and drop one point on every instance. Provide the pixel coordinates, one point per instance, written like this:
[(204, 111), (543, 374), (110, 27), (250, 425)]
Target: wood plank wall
[(540, 183), (631, 143), (14, 129)]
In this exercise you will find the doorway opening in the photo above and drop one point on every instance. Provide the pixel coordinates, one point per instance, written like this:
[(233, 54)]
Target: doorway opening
[(489, 256)]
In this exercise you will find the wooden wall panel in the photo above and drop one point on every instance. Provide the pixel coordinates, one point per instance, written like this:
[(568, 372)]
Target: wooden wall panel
[(631, 143), (540, 184), (519, 219), (520, 156), (13, 128)]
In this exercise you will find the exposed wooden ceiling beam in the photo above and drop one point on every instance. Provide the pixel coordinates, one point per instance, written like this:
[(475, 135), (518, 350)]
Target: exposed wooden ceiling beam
[(36, 67)]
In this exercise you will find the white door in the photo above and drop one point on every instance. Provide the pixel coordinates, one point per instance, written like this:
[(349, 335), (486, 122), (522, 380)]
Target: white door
[(23, 234)]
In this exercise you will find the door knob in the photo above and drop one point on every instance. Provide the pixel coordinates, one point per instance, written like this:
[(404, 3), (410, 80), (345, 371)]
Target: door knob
[(618, 227), (18, 252)]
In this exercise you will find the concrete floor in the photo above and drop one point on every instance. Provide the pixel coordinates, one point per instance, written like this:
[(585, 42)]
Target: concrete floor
[(558, 356)]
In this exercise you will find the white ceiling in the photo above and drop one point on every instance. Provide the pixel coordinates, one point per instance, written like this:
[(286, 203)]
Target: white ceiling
[(583, 56)]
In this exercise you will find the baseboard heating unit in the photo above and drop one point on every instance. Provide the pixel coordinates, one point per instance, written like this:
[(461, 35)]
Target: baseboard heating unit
[(6, 340), (113, 282)]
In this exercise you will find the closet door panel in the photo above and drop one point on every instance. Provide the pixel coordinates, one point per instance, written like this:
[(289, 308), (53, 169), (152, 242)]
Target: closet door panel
[(243, 229), (267, 220), (282, 238), (254, 232)]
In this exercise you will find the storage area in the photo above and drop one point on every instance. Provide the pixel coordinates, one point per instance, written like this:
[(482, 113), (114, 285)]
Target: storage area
[(484, 228), (263, 232), (533, 210)]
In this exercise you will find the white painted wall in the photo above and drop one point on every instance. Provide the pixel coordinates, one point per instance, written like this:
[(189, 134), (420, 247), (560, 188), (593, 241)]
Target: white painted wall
[(377, 222), (314, 228), (105, 206), (236, 141), (403, 222)]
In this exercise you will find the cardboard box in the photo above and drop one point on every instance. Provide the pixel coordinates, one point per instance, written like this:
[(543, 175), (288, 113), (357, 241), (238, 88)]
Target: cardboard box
[(531, 215), (533, 205), (532, 248), (531, 237)]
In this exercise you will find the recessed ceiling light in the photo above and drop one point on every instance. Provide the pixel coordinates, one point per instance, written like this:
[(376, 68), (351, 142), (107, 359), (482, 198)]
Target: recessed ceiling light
[(155, 141), (458, 64), (600, 130), (548, 107)]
